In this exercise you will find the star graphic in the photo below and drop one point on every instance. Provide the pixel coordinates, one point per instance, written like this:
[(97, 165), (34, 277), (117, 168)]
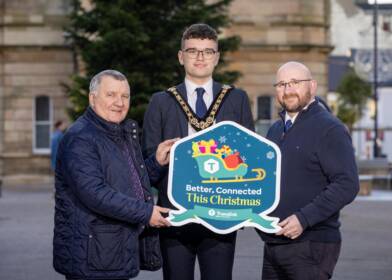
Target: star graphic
[(222, 139), (270, 155)]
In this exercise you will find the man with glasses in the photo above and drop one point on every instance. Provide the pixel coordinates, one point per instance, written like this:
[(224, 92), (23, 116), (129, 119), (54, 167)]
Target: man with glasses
[(178, 112), (319, 177)]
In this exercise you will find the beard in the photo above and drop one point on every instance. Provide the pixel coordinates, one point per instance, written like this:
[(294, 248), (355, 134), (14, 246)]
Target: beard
[(299, 105)]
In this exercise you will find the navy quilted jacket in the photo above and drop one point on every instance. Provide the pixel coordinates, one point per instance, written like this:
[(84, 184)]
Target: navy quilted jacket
[(98, 219)]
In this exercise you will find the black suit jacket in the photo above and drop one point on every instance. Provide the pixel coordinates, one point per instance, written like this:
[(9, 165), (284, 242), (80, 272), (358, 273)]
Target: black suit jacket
[(164, 119)]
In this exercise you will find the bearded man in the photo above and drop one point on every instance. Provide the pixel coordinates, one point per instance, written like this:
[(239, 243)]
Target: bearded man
[(318, 178)]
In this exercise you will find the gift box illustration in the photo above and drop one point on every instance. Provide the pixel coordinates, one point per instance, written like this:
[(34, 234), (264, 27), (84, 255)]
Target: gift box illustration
[(224, 177), (217, 163)]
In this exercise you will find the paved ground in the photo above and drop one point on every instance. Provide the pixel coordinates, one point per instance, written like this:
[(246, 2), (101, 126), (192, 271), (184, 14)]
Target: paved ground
[(26, 223)]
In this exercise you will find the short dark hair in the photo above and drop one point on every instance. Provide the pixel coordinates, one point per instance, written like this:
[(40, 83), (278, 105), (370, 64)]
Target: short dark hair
[(199, 31), (58, 124)]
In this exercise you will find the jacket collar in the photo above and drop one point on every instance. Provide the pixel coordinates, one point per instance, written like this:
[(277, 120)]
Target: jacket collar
[(181, 88), (127, 126), (216, 87), (310, 107)]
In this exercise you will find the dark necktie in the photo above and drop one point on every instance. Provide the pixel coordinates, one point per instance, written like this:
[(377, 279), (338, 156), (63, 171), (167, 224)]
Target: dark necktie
[(287, 125), (135, 179), (201, 108)]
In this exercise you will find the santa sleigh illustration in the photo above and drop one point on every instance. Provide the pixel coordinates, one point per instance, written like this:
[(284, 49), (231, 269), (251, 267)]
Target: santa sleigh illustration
[(222, 165)]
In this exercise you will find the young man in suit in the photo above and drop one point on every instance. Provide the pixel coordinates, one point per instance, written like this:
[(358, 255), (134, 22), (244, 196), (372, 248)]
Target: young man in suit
[(166, 118)]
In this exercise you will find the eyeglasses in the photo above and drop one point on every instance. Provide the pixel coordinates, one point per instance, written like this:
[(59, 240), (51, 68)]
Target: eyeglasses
[(194, 53), (293, 84)]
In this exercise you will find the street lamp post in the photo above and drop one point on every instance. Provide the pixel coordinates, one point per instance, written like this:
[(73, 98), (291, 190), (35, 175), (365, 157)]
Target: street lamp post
[(375, 82)]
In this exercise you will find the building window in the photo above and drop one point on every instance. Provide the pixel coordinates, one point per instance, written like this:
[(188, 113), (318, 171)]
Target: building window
[(264, 114), (42, 125)]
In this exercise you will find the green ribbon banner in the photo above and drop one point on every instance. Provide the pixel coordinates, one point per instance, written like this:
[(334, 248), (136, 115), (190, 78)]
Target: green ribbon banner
[(223, 215)]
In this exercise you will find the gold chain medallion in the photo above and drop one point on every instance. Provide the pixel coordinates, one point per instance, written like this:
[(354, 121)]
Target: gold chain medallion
[(197, 123)]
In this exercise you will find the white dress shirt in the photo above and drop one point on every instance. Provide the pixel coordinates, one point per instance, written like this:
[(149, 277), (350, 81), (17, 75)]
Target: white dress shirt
[(287, 117), (191, 95)]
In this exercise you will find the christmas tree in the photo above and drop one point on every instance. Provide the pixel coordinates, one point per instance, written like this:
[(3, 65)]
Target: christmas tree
[(140, 39)]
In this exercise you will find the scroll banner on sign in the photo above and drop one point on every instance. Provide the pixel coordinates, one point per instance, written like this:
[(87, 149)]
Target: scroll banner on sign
[(225, 177)]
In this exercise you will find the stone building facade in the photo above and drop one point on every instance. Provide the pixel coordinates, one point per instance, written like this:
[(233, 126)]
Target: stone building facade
[(274, 32), (35, 59)]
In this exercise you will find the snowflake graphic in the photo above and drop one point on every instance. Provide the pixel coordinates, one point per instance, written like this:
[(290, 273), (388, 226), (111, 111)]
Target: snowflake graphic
[(270, 155), (248, 145), (222, 139), (235, 141), (189, 152), (238, 133), (175, 158), (243, 158)]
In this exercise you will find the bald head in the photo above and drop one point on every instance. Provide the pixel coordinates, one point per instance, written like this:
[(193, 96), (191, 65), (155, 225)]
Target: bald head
[(296, 69)]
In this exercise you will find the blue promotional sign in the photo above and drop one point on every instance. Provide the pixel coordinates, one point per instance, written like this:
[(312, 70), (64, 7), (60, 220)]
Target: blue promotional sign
[(225, 177)]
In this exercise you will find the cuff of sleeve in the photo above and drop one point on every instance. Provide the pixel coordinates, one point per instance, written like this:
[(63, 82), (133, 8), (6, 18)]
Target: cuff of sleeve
[(302, 219), (150, 208), (161, 169), (156, 163)]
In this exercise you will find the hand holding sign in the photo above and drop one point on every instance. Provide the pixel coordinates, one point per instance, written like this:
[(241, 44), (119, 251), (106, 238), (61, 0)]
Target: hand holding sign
[(163, 151), (157, 220), (291, 227)]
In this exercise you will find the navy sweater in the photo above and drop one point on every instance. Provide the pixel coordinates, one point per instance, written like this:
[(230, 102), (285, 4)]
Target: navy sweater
[(319, 174)]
